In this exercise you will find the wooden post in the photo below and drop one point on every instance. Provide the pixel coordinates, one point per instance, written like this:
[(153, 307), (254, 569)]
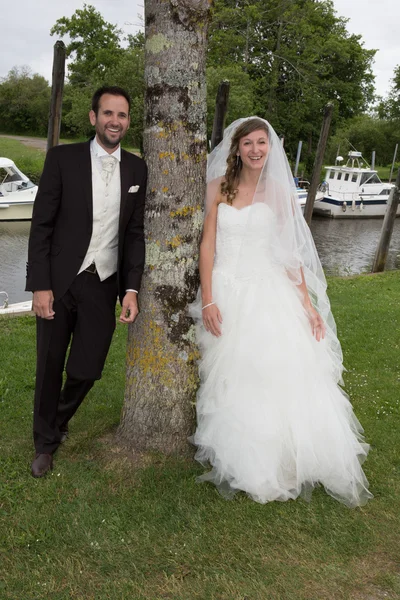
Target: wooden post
[(57, 88), (319, 157), (387, 228), (296, 166), (373, 159), (394, 160), (221, 106)]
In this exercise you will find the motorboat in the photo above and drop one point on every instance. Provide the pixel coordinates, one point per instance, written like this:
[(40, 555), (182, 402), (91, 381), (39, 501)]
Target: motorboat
[(352, 191), (17, 193), (15, 309), (302, 187)]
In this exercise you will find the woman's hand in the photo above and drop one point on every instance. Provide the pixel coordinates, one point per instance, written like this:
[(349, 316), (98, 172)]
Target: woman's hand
[(317, 324), (212, 320)]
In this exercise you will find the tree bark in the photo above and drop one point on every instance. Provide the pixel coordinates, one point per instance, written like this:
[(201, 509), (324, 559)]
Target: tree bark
[(162, 378), (57, 90)]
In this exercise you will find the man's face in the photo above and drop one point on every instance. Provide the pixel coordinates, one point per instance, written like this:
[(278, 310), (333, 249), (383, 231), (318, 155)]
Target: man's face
[(112, 120)]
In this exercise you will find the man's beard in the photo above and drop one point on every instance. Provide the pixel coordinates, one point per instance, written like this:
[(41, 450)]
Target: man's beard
[(108, 142)]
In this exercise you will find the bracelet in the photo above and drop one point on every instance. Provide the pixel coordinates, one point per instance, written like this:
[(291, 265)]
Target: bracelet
[(207, 305)]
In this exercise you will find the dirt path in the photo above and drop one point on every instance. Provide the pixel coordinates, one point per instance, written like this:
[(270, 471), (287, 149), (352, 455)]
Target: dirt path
[(32, 142)]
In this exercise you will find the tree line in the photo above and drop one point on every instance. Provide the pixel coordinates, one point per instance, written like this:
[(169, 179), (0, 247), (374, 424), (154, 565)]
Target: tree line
[(285, 60)]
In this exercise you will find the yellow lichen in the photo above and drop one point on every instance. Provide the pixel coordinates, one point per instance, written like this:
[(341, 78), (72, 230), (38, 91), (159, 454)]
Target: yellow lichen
[(184, 211), (175, 242), (169, 155)]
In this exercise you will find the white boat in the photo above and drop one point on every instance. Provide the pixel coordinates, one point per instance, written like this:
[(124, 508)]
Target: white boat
[(302, 187), (17, 309), (17, 193), (353, 191)]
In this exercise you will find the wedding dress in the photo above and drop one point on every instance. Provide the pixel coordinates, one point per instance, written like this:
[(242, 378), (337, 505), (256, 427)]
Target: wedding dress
[(272, 421)]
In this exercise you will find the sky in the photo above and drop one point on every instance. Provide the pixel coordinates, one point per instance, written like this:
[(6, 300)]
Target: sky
[(25, 38)]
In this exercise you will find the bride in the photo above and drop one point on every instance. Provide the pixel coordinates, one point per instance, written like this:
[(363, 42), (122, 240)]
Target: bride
[(271, 418)]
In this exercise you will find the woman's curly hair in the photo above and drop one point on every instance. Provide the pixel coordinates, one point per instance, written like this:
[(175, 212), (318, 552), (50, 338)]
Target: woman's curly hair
[(234, 162)]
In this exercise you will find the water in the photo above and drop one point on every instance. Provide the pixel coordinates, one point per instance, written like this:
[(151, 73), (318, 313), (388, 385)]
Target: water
[(13, 257), (345, 248)]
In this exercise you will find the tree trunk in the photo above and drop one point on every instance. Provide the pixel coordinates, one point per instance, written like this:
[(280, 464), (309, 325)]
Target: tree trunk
[(162, 377)]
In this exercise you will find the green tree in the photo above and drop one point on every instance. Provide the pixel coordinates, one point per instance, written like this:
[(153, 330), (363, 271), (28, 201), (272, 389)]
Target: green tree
[(24, 102), (366, 133), (94, 47), (97, 58), (389, 108), (299, 56), (241, 93)]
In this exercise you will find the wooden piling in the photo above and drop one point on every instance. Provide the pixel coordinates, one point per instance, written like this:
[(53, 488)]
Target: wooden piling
[(221, 106), (57, 89), (393, 163), (319, 157), (387, 228), (298, 155)]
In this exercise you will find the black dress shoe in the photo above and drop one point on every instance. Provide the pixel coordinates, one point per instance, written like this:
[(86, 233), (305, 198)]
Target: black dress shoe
[(42, 464)]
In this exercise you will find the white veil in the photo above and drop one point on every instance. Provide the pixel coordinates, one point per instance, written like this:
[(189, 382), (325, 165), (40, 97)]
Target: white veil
[(292, 245)]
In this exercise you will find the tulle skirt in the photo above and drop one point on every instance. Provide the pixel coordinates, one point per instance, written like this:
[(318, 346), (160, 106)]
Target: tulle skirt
[(271, 419)]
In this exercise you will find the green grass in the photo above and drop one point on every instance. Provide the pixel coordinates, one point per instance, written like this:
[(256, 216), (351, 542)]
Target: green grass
[(29, 160), (384, 173), (109, 525)]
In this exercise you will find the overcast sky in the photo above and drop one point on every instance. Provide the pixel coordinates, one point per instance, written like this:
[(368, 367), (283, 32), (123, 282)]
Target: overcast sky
[(25, 38)]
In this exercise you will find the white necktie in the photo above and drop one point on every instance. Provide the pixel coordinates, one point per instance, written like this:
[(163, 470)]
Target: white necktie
[(108, 164)]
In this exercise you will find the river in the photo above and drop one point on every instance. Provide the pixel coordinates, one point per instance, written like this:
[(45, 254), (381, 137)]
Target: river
[(345, 248)]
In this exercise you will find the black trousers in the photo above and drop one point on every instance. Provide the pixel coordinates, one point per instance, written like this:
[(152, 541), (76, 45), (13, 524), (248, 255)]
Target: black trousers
[(85, 321)]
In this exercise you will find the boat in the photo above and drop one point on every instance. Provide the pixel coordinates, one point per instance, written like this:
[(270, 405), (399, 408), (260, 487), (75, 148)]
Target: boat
[(352, 191), (16, 309), (302, 187), (17, 193)]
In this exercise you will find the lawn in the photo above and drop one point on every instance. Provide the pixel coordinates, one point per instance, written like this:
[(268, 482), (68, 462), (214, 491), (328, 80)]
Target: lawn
[(29, 160), (111, 525)]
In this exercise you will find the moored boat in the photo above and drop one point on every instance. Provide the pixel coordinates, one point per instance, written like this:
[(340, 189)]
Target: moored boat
[(17, 193), (302, 187), (16, 309), (352, 191)]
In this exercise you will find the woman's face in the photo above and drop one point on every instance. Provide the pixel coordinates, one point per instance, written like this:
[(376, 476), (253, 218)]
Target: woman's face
[(253, 149)]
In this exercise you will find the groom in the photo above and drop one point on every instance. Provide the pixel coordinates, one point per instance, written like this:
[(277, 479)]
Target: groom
[(86, 246)]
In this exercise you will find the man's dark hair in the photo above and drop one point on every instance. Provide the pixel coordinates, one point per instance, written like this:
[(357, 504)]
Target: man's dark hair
[(114, 90)]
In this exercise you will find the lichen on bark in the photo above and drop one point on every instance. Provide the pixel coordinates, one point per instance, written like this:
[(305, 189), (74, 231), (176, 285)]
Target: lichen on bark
[(161, 360)]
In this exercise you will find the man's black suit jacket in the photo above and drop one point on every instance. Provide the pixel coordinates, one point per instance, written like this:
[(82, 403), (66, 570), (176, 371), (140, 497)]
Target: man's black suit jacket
[(62, 220)]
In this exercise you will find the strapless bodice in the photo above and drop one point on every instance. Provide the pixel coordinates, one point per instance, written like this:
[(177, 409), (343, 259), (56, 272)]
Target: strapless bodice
[(243, 244)]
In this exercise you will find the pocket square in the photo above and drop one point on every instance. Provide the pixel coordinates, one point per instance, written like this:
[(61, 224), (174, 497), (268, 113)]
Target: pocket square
[(133, 189)]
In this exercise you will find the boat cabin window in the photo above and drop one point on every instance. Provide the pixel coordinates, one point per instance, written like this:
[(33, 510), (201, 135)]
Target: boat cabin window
[(8, 175), (346, 177), (331, 174), (369, 178), (385, 192), (339, 175), (354, 177)]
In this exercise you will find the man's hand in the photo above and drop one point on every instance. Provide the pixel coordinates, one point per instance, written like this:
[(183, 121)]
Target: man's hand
[(130, 308), (42, 304)]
